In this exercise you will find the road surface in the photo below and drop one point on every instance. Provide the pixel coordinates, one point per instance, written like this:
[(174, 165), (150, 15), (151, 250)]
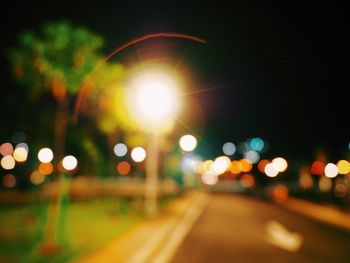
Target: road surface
[(237, 228)]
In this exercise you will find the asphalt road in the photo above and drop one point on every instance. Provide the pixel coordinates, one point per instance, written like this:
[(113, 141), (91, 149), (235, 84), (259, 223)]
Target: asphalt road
[(236, 228)]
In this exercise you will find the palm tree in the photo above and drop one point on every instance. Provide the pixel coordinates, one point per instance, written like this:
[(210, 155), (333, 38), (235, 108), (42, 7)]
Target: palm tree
[(56, 60)]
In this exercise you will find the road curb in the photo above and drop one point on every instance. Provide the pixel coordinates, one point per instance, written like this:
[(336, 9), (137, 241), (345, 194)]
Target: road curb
[(321, 213), (163, 245), (168, 249), (156, 239)]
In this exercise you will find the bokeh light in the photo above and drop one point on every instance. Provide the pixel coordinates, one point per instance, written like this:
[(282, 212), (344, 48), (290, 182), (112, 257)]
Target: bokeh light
[(8, 162), (270, 170), (280, 164), (325, 184), (340, 188), (23, 145), (331, 170), (256, 144), (343, 167), (199, 167), (69, 162), (188, 143), (45, 155), (229, 148), (236, 167), (317, 167), (45, 168), (120, 149), (305, 179), (209, 178), (246, 165), (123, 168), (206, 166), (36, 178), (9, 181), (6, 149), (221, 165), (252, 156), (138, 154), (190, 163), (262, 164), (247, 181), (20, 154), (280, 193)]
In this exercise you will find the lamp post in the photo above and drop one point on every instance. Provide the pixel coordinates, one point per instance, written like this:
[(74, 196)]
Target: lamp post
[(152, 101)]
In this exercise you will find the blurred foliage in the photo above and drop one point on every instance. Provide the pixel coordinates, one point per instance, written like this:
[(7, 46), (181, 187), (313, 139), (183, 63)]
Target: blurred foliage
[(54, 64), (105, 98), (58, 58), (89, 225)]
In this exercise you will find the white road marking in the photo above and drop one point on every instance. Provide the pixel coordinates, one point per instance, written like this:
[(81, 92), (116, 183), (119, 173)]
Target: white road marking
[(280, 236), (181, 230), (166, 240)]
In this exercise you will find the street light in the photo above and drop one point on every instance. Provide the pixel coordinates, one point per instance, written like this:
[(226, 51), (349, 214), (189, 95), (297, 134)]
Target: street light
[(152, 102)]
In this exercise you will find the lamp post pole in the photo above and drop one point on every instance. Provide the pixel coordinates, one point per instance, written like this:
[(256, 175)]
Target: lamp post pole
[(151, 186), (152, 101)]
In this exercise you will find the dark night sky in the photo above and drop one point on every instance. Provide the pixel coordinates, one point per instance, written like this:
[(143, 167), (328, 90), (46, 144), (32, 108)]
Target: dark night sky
[(284, 67)]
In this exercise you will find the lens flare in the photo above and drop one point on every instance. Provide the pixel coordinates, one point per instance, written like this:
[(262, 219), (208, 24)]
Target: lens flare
[(155, 99), (83, 92), (152, 97)]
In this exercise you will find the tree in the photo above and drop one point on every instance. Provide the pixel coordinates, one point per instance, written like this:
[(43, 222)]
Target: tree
[(56, 60)]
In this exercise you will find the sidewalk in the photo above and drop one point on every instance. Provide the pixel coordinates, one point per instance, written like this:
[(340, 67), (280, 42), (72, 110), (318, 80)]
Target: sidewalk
[(157, 239), (323, 213)]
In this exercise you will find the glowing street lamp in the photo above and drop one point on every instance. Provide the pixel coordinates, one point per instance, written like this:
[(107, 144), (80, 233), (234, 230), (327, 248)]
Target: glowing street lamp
[(152, 101)]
